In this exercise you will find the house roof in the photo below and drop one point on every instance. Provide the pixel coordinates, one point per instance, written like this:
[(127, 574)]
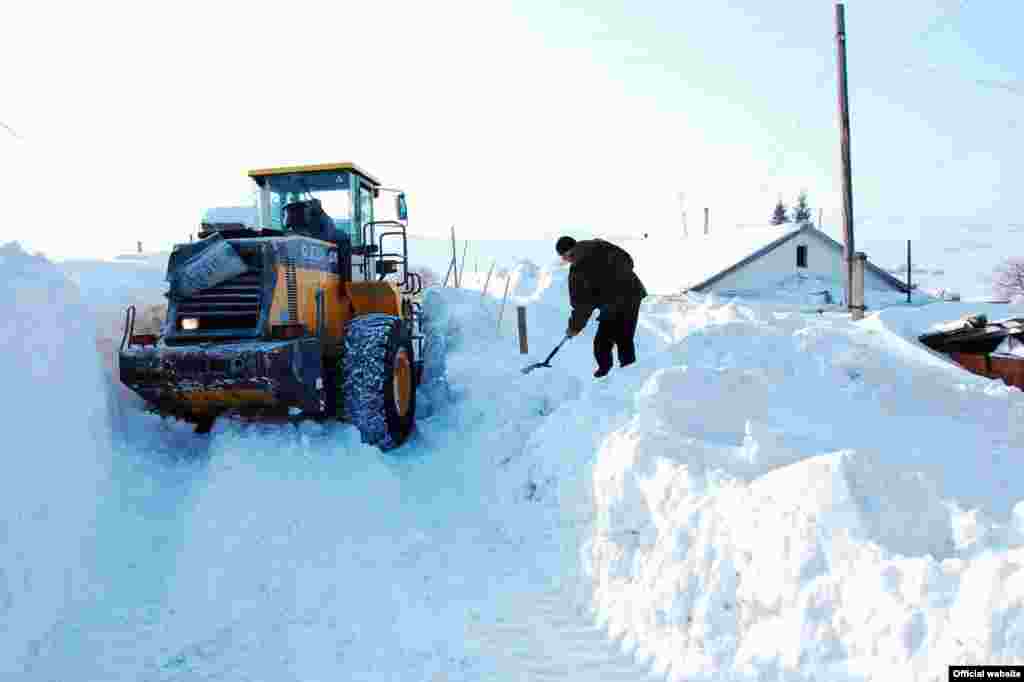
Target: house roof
[(782, 239), (696, 262), (680, 263)]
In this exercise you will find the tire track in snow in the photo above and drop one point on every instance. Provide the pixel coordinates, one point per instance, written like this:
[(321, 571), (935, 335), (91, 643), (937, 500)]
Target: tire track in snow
[(547, 638)]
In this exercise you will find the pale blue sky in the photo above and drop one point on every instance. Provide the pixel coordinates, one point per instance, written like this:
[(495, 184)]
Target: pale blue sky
[(504, 118)]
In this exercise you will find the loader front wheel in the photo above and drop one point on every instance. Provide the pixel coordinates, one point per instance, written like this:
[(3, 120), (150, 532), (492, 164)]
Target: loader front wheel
[(377, 389), (204, 423)]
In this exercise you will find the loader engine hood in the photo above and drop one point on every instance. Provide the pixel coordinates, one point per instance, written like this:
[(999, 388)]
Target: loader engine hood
[(222, 289), (219, 290)]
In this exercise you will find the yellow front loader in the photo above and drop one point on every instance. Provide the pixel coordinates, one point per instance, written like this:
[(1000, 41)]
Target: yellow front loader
[(307, 309)]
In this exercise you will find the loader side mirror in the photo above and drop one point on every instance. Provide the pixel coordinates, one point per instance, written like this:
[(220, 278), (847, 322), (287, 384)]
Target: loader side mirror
[(400, 207)]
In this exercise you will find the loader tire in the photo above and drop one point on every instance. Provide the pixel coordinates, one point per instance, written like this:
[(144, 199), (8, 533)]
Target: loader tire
[(377, 387), (203, 424)]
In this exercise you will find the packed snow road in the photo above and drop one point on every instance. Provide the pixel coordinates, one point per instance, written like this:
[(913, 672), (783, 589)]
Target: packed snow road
[(766, 494), (290, 552), (287, 552)]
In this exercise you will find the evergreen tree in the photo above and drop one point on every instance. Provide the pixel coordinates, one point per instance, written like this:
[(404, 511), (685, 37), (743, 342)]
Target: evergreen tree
[(802, 212), (780, 216)]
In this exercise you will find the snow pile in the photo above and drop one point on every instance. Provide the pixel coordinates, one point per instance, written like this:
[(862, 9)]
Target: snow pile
[(911, 323), (112, 286), (779, 496), (830, 291), (765, 494), (56, 446)]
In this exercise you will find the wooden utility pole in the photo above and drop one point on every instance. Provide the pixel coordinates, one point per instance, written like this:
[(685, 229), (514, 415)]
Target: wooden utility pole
[(844, 140), (707, 219)]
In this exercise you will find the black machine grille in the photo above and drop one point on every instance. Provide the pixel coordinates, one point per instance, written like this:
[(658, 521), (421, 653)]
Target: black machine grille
[(234, 304)]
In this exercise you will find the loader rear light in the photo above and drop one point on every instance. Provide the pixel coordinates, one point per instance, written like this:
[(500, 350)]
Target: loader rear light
[(287, 331), (190, 324)]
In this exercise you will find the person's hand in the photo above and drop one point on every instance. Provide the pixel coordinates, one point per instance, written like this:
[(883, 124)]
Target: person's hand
[(570, 333)]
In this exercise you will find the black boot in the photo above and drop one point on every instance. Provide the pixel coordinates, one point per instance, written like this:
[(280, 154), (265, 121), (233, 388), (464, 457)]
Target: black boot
[(601, 371)]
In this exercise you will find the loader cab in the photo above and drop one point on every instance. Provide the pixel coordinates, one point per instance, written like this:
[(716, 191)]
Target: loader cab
[(332, 202)]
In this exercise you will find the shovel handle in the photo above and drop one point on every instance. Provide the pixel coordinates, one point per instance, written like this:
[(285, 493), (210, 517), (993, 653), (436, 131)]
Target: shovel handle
[(564, 339)]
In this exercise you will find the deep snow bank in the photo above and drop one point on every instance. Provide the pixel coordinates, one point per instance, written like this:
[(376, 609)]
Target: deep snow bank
[(56, 446), (113, 285), (785, 496)]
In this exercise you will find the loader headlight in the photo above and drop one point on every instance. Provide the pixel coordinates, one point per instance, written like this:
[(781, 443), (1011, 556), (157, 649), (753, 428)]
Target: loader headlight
[(190, 324)]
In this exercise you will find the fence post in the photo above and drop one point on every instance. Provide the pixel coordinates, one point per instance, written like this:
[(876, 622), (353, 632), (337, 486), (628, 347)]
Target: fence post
[(504, 298), (447, 275), (462, 266), (524, 347), (454, 267), (908, 271), (487, 282)]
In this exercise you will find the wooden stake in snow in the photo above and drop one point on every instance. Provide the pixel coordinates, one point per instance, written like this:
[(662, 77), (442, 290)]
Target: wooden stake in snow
[(454, 267), (501, 313), (447, 275), (487, 282), (462, 266), (524, 347), (707, 220)]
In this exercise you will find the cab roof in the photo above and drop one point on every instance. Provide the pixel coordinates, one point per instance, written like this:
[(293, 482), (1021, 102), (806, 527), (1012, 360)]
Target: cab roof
[(315, 168)]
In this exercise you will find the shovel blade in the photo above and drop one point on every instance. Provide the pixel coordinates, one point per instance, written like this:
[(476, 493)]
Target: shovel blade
[(530, 368)]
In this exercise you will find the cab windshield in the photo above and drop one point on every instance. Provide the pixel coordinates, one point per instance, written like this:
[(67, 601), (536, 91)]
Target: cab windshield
[(332, 189)]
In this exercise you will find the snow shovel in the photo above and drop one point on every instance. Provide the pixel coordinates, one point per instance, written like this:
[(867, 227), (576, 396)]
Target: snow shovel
[(547, 360)]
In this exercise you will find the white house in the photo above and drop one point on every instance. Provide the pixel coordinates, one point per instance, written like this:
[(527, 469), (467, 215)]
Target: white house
[(784, 261)]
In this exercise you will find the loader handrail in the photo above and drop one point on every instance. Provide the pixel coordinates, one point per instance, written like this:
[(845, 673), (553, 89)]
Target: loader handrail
[(370, 265), (129, 325)]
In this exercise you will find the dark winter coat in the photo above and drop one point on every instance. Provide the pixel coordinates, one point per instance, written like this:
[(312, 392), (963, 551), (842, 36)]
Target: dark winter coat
[(601, 277)]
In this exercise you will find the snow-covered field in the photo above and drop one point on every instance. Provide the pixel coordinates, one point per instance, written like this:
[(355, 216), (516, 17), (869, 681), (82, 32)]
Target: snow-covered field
[(770, 493)]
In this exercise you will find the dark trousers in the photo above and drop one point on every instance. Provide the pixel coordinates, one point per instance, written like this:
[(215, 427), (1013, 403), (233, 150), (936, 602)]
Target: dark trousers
[(616, 330)]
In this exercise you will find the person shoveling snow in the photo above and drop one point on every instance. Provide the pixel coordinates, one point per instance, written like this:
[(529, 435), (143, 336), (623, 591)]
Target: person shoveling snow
[(602, 277)]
